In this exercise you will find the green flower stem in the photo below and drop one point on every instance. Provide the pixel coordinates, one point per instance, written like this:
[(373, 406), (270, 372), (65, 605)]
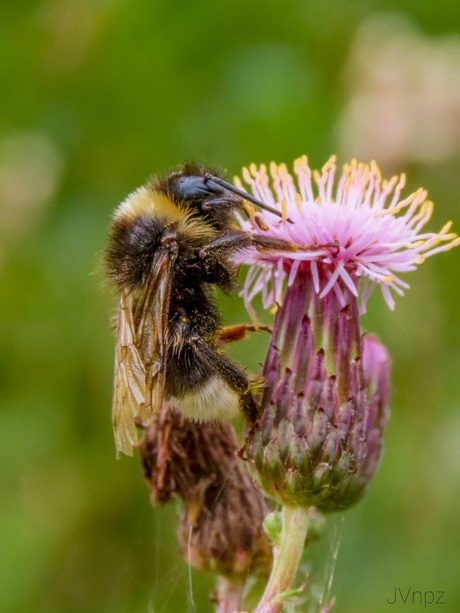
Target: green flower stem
[(229, 595), (287, 559)]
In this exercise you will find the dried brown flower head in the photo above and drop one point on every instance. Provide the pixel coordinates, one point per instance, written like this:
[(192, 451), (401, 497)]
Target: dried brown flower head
[(220, 529)]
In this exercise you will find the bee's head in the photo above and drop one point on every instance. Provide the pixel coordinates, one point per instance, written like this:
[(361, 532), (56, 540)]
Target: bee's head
[(192, 188)]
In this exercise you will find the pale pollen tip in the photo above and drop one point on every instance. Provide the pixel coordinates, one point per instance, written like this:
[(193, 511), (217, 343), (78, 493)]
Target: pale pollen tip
[(299, 165), (393, 211), (237, 182), (247, 175), (301, 162), (284, 210), (251, 214)]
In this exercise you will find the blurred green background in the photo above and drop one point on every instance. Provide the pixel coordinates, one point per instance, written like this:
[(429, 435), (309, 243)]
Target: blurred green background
[(97, 96)]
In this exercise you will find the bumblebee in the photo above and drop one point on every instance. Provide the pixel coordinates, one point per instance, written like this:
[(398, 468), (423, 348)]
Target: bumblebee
[(170, 246)]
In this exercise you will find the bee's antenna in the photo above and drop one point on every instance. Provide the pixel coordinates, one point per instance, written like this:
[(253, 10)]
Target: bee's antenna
[(243, 194)]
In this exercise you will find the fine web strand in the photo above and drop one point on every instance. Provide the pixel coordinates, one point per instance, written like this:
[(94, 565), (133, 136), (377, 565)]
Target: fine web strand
[(190, 581), (165, 585), (169, 587), (330, 570)]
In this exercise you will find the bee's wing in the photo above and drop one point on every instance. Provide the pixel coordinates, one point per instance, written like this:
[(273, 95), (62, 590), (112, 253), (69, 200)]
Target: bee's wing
[(141, 351), (153, 330), (129, 384)]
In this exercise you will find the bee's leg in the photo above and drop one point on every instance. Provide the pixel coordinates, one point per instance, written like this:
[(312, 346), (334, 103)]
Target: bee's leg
[(229, 334), (235, 378), (222, 366), (223, 203), (240, 240)]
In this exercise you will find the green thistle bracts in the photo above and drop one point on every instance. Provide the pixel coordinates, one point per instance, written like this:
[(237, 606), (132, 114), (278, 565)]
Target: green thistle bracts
[(325, 404)]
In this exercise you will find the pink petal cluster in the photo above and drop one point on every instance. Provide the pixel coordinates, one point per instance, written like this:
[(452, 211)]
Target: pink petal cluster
[(358, 229)]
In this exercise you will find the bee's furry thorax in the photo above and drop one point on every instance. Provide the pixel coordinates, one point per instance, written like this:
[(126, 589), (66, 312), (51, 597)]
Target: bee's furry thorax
[(138, 228)]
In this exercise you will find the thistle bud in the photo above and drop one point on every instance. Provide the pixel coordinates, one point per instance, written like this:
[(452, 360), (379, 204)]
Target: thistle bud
[(325, 403), (221, 525)]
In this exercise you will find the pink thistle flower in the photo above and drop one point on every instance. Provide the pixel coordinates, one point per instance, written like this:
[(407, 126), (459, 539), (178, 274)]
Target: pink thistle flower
[(324, 406), (360, 229)]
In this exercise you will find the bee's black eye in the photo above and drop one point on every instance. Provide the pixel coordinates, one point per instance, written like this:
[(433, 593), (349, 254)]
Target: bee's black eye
[(195, 188)]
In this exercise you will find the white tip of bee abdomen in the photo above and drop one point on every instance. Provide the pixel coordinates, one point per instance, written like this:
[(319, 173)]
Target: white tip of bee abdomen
[(212, 401)]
